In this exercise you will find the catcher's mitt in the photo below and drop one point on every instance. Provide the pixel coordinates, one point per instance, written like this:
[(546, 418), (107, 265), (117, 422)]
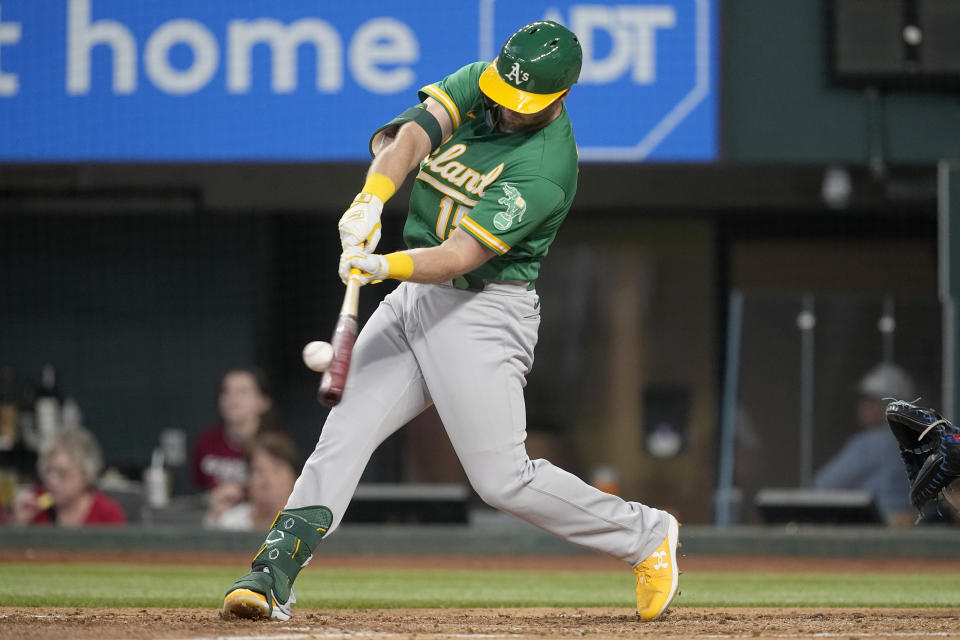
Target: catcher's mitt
[(929, 446)]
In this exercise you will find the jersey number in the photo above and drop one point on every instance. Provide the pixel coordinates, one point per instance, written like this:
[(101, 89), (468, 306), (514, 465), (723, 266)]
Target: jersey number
[(443, 219)]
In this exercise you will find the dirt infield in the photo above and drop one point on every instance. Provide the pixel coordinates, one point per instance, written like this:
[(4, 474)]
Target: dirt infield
[(425, 624)]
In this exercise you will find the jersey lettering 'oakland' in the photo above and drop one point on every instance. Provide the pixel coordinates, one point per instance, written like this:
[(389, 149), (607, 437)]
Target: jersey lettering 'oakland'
[(459, 174), (469, 167)]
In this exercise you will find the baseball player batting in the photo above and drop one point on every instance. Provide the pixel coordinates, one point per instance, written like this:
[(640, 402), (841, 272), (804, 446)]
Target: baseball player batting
[(497, 174)]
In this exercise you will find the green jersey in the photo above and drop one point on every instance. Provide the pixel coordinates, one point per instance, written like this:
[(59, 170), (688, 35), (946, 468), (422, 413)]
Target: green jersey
[(510, 191)]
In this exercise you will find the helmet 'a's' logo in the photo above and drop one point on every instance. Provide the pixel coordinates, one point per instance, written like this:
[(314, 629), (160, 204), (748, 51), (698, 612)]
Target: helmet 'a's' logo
[(517, 75)]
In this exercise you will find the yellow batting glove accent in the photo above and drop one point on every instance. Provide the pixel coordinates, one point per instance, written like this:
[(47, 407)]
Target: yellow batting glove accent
[(400, 265), (374, 236), (360, 225), (380, 186)]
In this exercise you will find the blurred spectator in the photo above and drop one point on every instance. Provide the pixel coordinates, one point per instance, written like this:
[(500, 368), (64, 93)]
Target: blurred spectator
[(870, 459), (69, 463), (220, 453), (274, 467)]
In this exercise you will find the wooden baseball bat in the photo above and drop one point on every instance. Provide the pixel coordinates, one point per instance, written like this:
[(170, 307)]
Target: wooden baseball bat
[(344, 336)]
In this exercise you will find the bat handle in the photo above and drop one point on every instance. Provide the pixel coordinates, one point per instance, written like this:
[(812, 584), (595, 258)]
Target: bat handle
[(351, 299)]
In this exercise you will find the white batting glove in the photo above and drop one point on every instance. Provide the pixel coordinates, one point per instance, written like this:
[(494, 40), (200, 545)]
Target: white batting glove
[(373, 267), (360, 224)]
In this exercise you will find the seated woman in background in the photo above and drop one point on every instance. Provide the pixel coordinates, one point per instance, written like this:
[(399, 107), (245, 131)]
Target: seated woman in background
[(274, 467), (220, 453), (69, 464)]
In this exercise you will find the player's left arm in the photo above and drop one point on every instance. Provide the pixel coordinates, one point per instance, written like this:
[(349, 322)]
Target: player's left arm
[(458, 254)]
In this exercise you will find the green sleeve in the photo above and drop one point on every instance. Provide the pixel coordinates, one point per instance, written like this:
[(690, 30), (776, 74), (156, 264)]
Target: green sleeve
[(511, 210), (458, 92)]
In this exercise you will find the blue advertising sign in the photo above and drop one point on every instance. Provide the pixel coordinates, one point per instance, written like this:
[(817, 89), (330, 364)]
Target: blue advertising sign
[(246, 80)]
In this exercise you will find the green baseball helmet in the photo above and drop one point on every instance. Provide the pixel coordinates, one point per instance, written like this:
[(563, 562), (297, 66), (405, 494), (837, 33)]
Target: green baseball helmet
[(535, 66)]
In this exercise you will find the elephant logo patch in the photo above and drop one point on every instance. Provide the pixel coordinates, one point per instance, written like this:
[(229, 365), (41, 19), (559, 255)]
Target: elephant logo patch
[(515, 205)]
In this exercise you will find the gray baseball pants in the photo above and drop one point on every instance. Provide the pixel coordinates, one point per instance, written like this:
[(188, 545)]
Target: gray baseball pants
[(468, 353)]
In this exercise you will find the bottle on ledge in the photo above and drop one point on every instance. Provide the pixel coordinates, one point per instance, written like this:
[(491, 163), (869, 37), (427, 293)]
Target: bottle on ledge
[(71, 416), (8, 410), (25, 453), (47, 406)]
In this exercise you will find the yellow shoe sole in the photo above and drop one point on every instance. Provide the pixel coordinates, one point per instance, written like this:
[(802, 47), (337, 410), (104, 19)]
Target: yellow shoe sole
[(673, 534), (243, 603)]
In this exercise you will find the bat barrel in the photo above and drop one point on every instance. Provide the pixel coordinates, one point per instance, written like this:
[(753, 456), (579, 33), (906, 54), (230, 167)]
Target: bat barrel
[(335, 377)]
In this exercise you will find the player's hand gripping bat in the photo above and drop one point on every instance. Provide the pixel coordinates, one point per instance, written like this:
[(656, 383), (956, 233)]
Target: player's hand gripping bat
[(344, 335)]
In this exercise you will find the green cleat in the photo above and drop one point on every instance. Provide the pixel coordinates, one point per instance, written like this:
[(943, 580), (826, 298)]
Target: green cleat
[(267, 591)]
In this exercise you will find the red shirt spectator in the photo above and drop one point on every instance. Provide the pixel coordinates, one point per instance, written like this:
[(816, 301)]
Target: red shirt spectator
[(218, 459), (103, 510), (220, 454), (69, 463)]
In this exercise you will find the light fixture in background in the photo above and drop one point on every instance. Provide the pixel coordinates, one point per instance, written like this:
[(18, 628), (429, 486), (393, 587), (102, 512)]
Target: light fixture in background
[(836, 187)]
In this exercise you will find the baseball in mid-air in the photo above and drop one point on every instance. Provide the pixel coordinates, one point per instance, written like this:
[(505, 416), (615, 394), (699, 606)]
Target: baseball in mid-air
[(317, 355)]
